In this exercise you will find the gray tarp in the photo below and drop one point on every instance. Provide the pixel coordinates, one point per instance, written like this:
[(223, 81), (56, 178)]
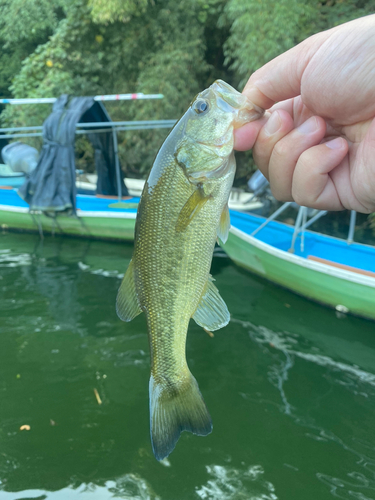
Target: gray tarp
[(51, 186), (105, 161)]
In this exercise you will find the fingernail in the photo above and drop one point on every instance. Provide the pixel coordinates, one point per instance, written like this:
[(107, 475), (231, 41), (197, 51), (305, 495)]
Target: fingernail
[(308, 126), (335, 143), (273, 124)]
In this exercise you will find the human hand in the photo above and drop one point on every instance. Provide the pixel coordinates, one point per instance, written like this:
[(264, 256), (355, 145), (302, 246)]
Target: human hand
[(316, 145)]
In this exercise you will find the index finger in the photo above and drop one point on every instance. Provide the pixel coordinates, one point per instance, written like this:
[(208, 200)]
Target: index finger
[(280, 78), (246, 136)]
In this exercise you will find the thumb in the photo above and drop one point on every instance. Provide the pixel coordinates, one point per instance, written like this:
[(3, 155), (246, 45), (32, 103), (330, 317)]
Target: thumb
[(280, 79)]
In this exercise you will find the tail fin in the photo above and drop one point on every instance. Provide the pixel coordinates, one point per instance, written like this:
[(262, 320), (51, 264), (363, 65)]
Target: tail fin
[(174, 409)]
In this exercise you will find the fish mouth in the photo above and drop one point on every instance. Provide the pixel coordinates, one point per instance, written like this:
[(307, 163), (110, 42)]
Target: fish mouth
[(230, 100)]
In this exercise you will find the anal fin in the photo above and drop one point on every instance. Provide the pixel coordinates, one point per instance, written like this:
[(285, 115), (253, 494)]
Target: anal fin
[(212, 312), (127, 306)]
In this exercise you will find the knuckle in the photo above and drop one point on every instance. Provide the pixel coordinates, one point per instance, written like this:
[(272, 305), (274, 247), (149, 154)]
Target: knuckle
[(299, 196), (306, 159), (281, 150), (280, 194), (261, 153)]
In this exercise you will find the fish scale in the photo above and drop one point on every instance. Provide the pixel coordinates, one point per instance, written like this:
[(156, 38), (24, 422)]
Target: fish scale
[(183, 209), (178, 263)]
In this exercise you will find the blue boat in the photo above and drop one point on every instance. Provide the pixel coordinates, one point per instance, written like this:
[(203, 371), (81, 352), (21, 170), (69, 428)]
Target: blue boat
[(336, 272), (98, 217), (10, 178)]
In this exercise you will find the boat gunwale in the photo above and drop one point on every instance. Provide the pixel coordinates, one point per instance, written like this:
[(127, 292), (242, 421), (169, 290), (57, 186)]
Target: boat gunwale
[(80, 212), (304, 262), (290, 228)]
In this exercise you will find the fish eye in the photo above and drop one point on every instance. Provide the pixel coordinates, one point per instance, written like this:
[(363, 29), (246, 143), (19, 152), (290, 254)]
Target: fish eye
[(200, 107)]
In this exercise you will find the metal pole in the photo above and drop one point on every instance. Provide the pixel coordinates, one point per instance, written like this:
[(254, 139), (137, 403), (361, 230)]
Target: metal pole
[(109, 97), (313, 219), (296, 228), (117, 164), (304, 218), (126, 123), (111, 124), (272, 217), (353, 217), (120, 126)]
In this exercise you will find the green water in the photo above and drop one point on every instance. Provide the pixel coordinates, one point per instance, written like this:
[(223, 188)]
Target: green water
[(290, 387)]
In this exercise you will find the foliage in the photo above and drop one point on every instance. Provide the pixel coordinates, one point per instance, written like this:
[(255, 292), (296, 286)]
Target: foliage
[(177, 48), (259, 31), (262, 29), (104, 11), (22, 20), (23, 26)]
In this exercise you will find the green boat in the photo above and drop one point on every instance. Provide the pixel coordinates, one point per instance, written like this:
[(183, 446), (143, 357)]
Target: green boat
[(332, 271), (98, 217)]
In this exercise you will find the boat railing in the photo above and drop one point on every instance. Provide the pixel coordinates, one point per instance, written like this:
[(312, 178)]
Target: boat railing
[(108, 97), (353, 217), (273, 216), (301, 224), (92, 128), (97, 127)]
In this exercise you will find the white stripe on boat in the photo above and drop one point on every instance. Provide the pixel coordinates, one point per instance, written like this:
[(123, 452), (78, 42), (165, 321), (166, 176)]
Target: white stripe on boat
[(80, 213)]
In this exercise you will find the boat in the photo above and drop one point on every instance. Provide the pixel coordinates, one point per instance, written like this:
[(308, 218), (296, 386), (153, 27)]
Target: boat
[(10, 178), (101, 205), (332, 271), (97, 217), (239, 199)]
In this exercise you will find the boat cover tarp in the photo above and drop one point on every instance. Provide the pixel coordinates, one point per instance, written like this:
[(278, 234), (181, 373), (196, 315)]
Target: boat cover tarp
[(105, 160), (51, 186)]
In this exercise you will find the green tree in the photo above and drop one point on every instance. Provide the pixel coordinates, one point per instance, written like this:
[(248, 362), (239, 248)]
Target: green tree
[(159, 50), (23, 27), (88, 47)]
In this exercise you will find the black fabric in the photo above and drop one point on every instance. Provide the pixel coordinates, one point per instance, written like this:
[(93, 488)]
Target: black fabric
[(51, 186), (103, 145)]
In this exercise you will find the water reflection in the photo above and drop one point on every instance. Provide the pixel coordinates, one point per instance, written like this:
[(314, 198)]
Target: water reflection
[(359, 382), (290, 387), (128, 487), (229, 483)]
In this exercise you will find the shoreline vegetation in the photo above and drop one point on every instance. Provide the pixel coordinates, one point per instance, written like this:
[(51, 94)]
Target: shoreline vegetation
[(90, 47)]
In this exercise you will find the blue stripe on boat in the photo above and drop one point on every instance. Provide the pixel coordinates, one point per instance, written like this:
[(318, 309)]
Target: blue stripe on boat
[(279, 235), (84, 202)]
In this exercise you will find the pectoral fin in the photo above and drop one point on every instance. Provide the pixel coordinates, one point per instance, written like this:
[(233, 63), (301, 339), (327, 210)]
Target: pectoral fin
[(127, 305), (191, 208), (224, 224), (212, 312)]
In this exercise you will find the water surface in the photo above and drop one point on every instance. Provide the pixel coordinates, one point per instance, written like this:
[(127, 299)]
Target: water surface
[(289, 384)]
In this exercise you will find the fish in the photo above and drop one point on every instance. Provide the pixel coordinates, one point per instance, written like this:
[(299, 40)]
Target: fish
[(182, 211)]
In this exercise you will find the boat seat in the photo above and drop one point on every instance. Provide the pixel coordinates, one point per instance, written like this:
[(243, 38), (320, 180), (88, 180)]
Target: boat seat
[(341, 266)]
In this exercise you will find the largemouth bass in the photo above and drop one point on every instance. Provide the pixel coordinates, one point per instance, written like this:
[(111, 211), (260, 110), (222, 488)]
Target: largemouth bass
[(183, 209)]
